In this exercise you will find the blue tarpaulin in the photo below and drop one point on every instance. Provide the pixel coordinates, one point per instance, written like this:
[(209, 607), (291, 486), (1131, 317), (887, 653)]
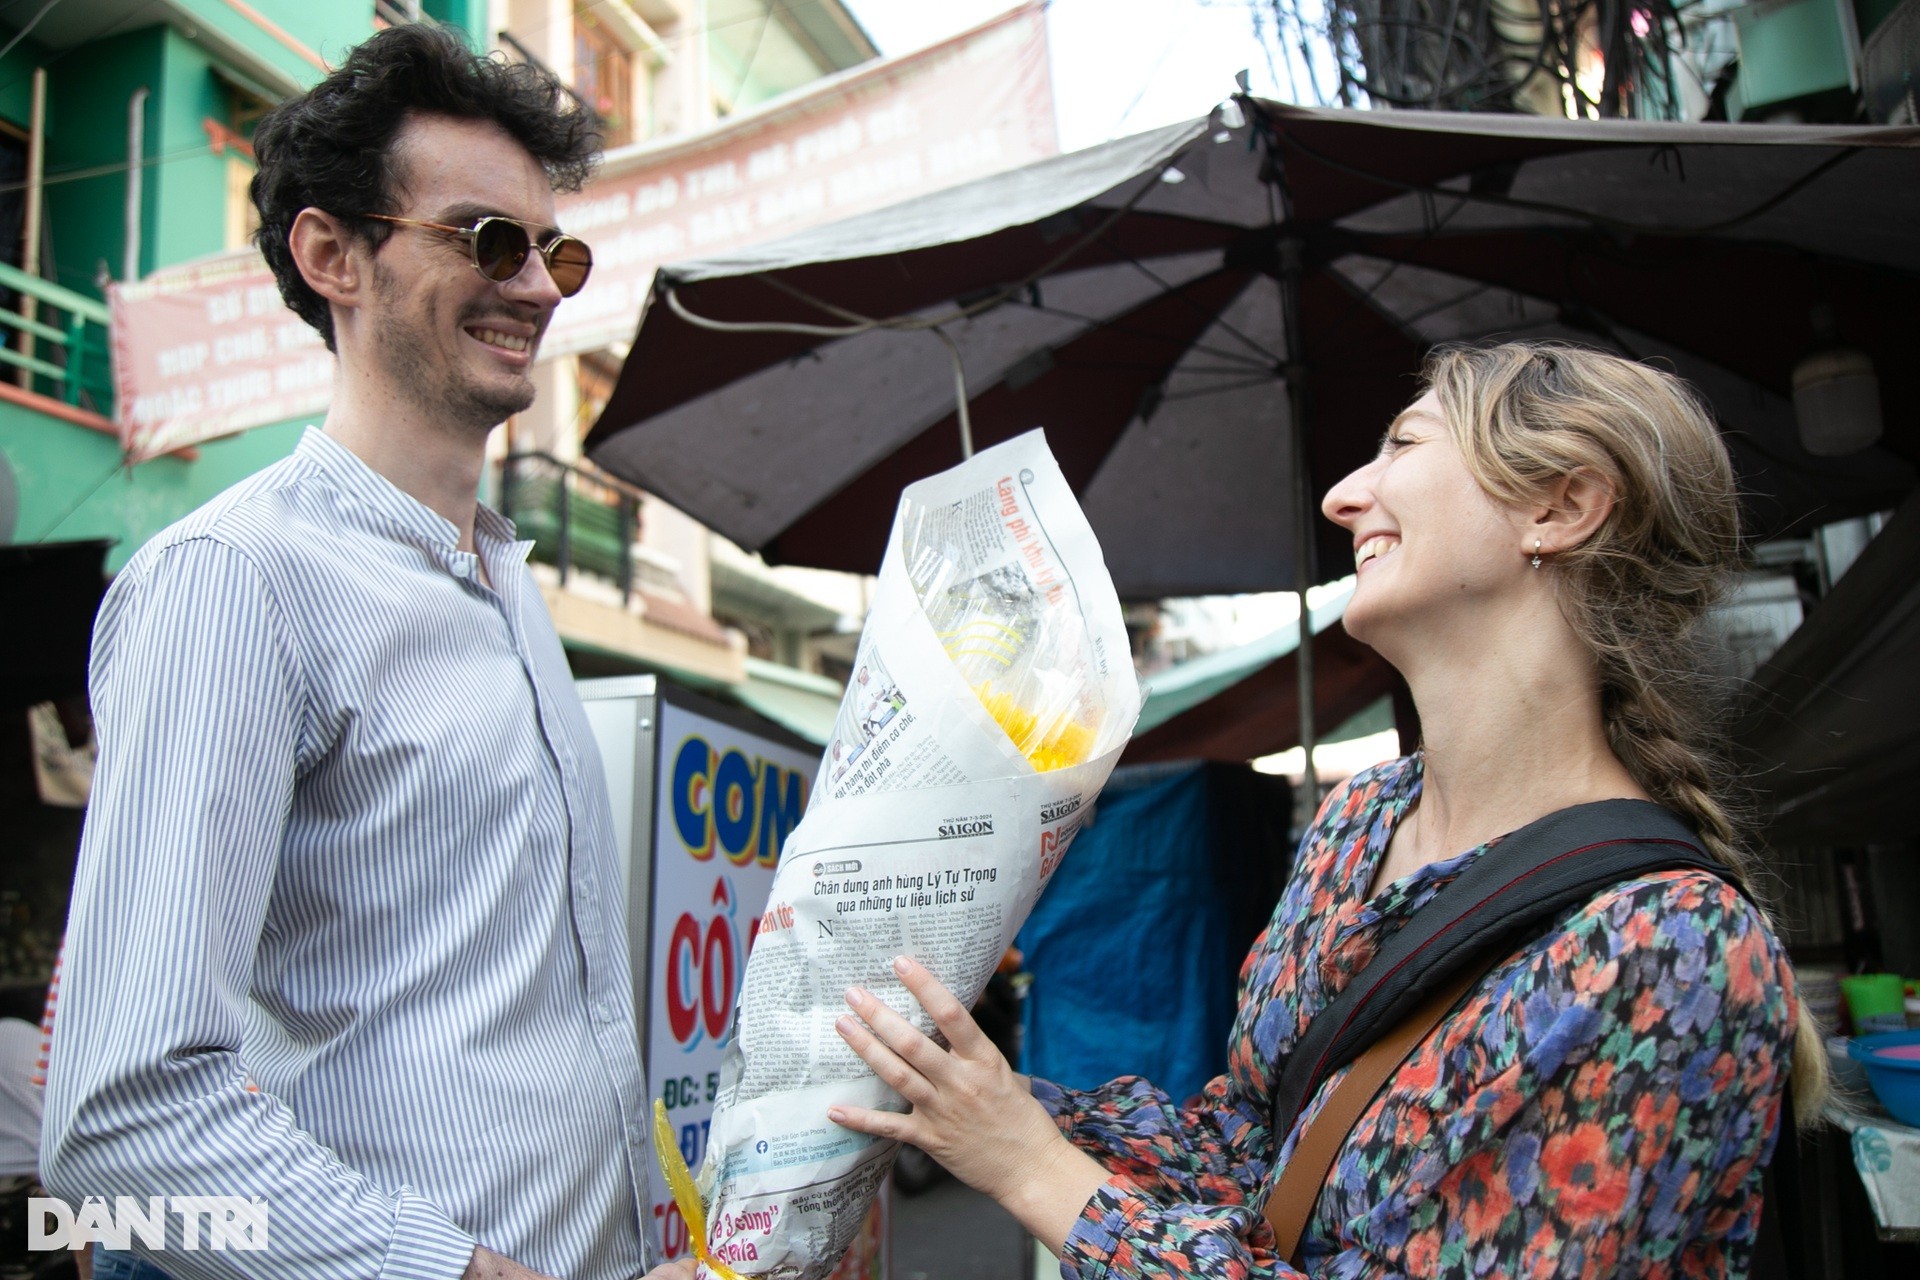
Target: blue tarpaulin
[(1135, 947)]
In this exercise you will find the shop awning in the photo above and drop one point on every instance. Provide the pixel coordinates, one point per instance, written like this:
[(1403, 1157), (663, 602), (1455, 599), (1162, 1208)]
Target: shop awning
[(1243, 703), (1830, 723), (797, 700), (1183, 687)]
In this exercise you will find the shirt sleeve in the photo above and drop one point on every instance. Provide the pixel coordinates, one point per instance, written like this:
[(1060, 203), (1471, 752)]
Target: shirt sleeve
[(1188, 1184), (1132, 1127), (1185, 1186), (200, 705), (1604, 1106)]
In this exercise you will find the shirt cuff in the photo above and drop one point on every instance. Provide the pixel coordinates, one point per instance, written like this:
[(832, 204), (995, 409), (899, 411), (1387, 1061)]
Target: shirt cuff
[(1104, 1237), (1056, 1102), (426, 1245)]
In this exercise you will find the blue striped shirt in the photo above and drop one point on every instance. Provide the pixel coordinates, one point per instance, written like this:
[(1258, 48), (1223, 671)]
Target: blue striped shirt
[(349, 840)]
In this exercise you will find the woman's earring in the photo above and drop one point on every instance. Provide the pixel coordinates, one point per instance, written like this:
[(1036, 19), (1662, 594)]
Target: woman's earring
[(1536, 553)]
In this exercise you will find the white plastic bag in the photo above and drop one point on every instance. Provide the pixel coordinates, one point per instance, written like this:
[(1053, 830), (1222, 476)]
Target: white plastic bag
[(993, 690)]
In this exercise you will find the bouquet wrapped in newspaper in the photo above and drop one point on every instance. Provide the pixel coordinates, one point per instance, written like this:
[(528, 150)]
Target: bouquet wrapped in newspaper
[(992, 691)]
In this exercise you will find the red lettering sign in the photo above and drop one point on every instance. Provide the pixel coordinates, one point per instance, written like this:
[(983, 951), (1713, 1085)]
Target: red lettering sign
[(207, 349), (703, 972)]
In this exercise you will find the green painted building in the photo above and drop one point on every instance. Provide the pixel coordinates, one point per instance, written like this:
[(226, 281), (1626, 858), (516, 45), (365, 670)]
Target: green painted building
[(147, 108), (148, 105), (124, 150)]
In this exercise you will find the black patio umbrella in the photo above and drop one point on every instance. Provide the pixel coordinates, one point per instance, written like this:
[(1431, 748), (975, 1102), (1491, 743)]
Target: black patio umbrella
[(1215, 321)]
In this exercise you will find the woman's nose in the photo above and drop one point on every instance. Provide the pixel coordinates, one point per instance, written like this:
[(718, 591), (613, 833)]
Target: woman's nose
[(1347, 501)]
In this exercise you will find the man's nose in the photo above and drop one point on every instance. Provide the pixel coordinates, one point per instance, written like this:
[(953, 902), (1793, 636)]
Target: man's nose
[(534, 283)]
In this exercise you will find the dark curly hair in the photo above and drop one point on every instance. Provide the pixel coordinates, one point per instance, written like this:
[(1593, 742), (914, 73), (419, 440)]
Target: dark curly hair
[(332, 147)]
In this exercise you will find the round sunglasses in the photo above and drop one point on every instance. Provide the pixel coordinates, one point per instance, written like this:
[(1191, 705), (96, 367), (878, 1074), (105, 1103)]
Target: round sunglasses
[(500, 247)]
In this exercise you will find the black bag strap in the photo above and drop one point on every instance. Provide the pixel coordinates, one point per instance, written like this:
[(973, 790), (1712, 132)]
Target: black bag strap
[(1503, 897)]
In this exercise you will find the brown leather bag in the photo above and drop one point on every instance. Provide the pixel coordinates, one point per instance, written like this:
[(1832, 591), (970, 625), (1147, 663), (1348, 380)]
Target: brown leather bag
[(1299, 1184), (1423, 969)]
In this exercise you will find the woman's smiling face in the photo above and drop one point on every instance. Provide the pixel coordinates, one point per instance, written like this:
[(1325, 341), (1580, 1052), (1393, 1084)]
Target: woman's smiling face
[(1429, 543)]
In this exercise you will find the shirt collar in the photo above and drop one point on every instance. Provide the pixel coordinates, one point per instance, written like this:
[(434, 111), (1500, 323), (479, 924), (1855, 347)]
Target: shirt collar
[(1401, 897), (392, 505), (494, 527)]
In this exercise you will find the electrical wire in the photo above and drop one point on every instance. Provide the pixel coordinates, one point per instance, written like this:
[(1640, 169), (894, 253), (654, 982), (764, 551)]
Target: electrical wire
[(1153, 73), (83, 500), (695, 32), (32, 22), (122, 166), (753, 51), (679, 308), (934, 327), (1600, 220), (959, 395), (701, 29), (99, 32), (107, 170), (1409, 52), (858, 324)]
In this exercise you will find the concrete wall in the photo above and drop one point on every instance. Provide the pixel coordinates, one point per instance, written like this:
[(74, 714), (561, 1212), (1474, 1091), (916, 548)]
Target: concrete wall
[(183, 200), (327, 28), (72, 483), (87, 97), (16, 81)]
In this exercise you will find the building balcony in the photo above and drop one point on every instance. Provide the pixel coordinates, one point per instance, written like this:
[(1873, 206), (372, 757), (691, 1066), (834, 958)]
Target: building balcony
[(56, 348), (615, 605)]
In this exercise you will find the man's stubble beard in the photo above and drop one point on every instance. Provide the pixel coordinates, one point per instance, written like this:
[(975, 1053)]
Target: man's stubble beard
[(406, 349)]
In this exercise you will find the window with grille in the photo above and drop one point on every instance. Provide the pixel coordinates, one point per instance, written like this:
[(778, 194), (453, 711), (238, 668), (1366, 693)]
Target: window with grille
[(603, 76)]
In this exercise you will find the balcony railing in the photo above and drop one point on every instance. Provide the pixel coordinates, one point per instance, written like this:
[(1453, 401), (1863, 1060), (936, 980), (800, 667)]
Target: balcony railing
[(61, 347), (577, 518)]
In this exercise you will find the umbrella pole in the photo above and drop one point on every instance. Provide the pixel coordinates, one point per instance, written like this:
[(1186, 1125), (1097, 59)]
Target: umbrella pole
[(959, 394), (1307, 800)]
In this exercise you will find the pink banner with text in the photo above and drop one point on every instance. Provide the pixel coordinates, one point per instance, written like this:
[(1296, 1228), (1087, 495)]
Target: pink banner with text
[(207, 348)]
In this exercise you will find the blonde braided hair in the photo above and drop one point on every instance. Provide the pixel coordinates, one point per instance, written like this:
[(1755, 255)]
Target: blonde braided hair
[(1524, 415)]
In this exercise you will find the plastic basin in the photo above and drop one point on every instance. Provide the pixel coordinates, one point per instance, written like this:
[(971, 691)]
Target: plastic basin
[(1892, 1060)]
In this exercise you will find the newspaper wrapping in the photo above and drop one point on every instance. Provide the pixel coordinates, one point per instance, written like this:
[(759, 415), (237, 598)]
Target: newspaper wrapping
[(993, 690)]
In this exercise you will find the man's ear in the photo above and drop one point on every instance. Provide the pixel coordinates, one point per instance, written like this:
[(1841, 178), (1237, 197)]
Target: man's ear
[(330, 260), (1577, 505)]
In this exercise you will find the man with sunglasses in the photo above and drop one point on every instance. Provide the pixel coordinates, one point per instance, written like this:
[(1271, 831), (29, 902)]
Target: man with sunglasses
[(348, 935)]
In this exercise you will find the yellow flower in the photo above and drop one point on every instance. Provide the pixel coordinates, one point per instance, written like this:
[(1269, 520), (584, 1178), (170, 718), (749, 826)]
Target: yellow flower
[(1062, 744)]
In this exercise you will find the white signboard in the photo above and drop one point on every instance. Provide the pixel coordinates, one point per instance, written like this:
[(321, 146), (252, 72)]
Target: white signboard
[(725, 801)]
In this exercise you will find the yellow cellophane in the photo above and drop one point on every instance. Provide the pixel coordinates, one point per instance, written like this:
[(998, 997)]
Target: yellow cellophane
[(685, 1194), (1021, 646), (1068, 743)]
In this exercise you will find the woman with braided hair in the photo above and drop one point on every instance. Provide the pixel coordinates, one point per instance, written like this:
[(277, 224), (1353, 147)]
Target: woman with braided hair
[(1536, 543)]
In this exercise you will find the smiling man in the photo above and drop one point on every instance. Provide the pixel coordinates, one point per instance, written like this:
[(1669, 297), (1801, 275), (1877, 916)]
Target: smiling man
[(347, 936)]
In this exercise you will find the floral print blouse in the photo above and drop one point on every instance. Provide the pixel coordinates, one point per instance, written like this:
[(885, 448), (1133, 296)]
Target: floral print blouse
[(1602, 1104)]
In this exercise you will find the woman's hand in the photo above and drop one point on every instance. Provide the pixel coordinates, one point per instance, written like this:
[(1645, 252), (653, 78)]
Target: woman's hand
[(971, 1112)]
